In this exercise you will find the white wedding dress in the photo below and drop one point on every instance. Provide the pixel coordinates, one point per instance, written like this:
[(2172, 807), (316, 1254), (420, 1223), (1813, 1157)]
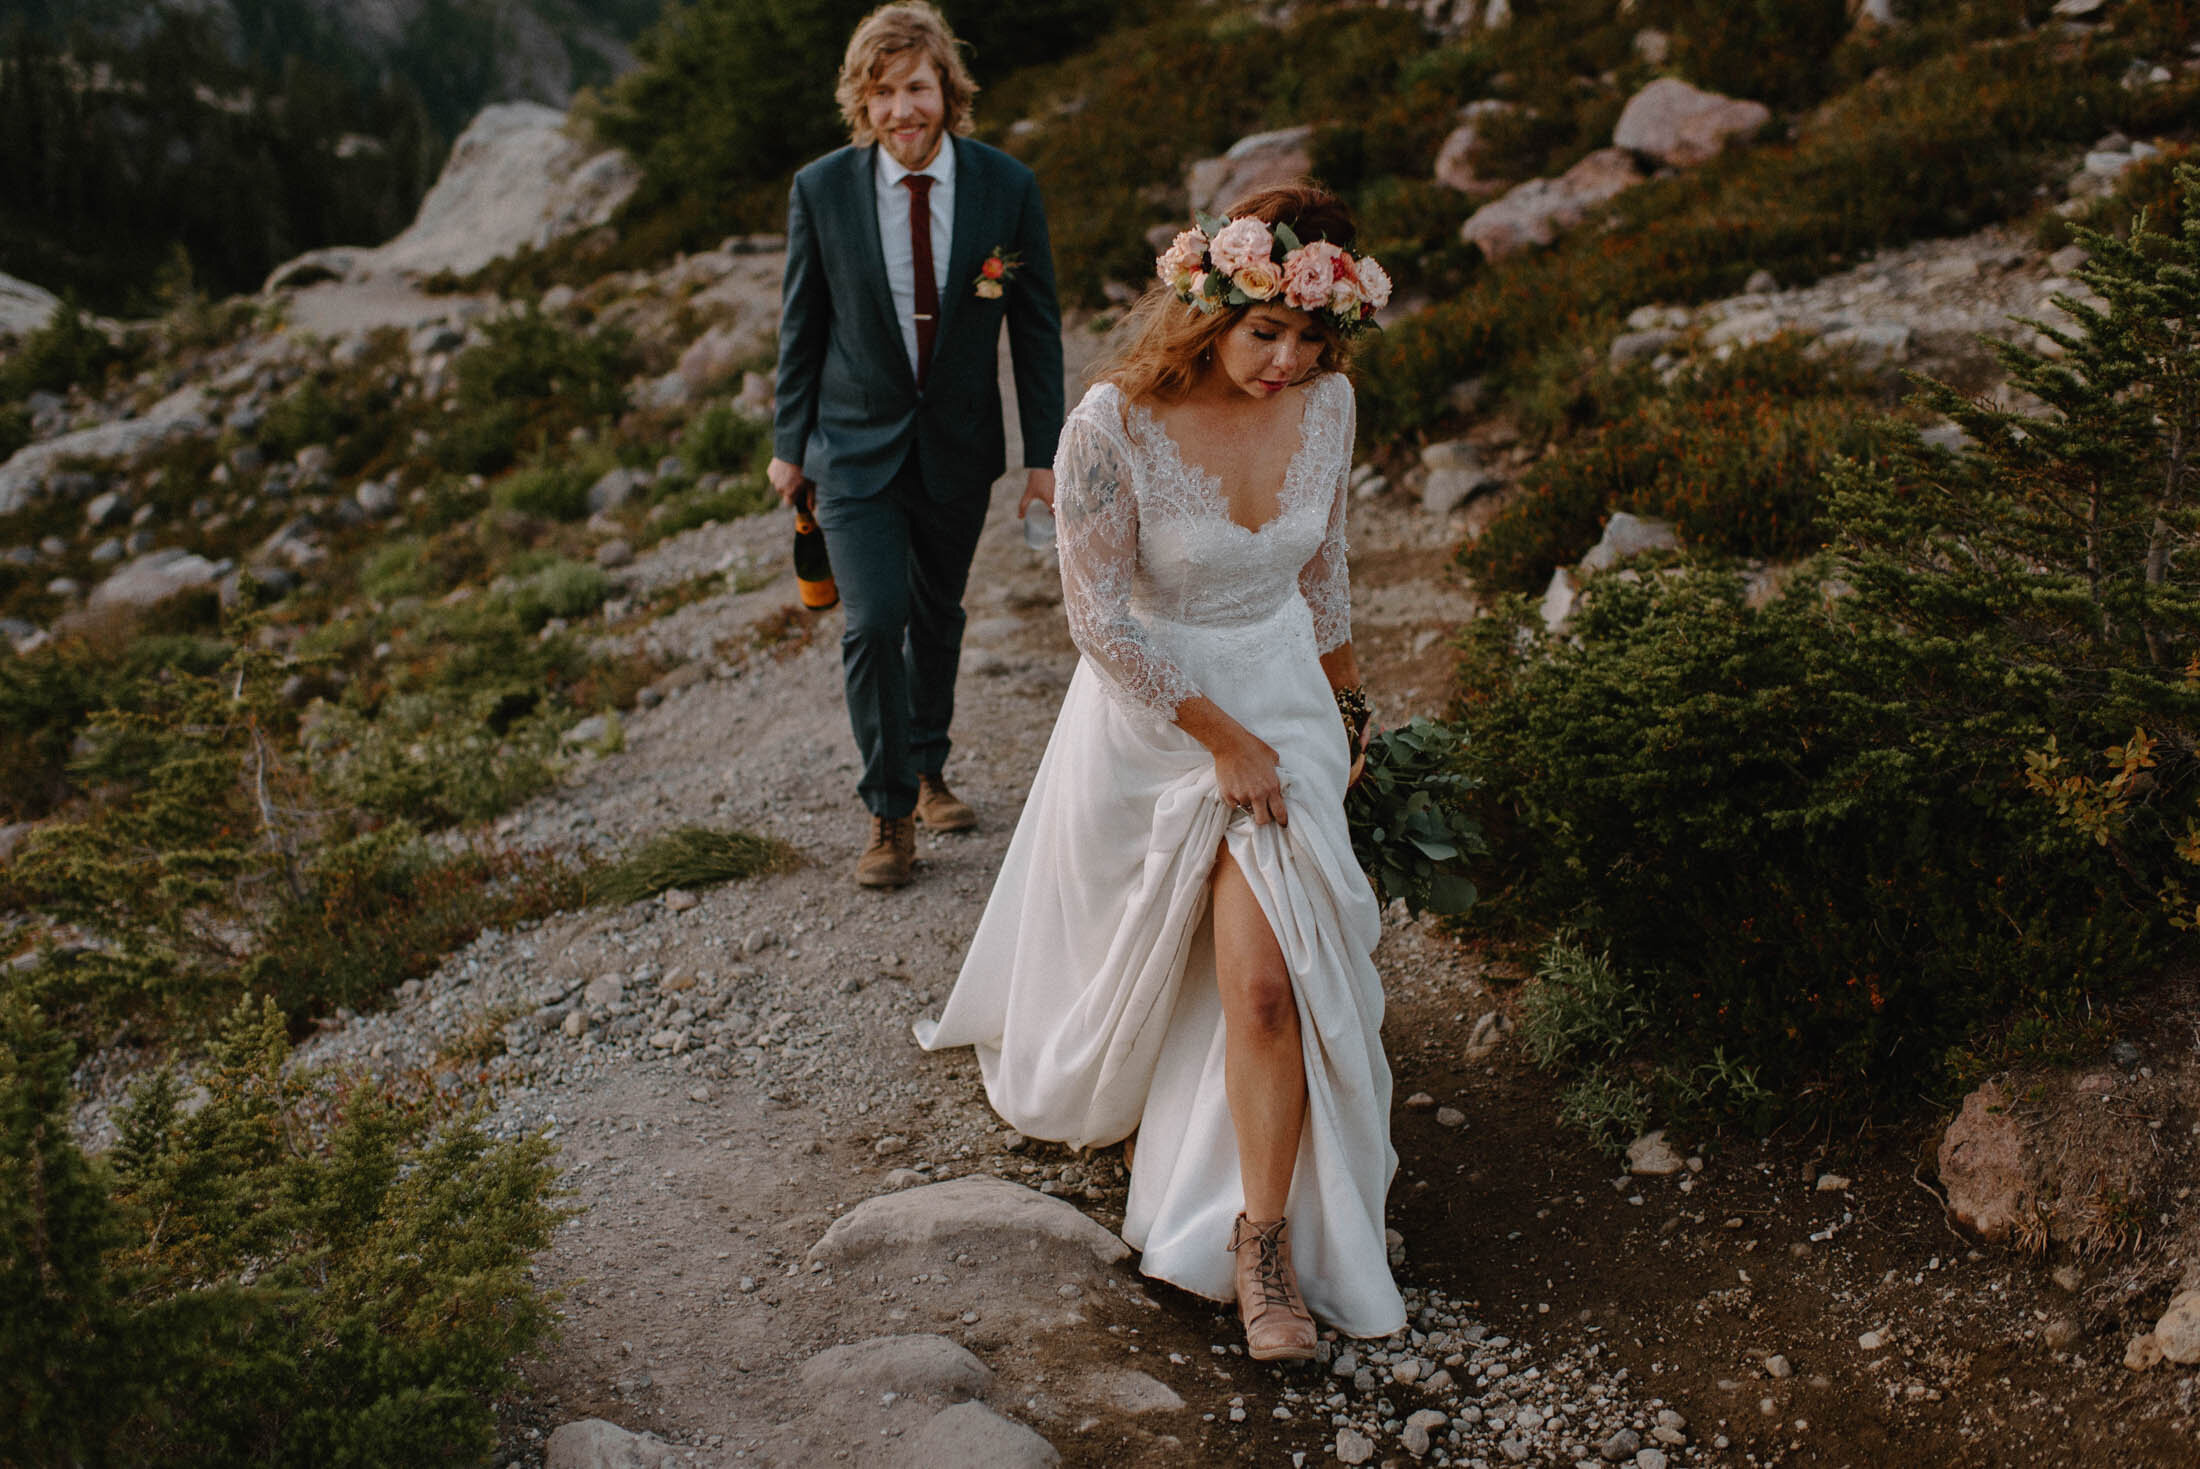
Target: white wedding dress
[(1089, 989)]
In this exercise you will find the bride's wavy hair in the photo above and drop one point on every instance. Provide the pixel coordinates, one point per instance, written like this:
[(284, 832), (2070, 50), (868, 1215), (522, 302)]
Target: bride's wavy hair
[(1161, 345), (885, 36)]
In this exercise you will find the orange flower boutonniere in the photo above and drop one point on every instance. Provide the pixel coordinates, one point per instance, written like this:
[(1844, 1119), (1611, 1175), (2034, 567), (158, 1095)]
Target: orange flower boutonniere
[(998, 270)]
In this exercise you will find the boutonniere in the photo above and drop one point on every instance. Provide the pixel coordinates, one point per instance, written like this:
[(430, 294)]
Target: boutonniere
[(998, 270)]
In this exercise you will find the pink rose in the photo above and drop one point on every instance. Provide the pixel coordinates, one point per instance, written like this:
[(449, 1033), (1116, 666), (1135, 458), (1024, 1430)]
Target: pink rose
[(1260, 282), (1344, 297), (1374, 284), (1242, 242), (1308, 275), (1180, 262)]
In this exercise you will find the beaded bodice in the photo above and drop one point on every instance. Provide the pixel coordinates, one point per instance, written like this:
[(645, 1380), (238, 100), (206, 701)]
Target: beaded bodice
[(1147, 543)]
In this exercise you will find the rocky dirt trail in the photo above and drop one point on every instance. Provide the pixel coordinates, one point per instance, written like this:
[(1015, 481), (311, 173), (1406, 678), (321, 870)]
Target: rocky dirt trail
[(798, 1239)]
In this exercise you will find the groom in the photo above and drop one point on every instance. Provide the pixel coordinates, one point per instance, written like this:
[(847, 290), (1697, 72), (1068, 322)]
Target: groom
[(906, 254)]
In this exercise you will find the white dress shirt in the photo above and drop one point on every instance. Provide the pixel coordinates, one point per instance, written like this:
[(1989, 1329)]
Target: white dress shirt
[(893, 234)]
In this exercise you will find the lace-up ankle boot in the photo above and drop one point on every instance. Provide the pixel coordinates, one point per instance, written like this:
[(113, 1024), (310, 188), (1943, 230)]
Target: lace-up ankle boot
[(892, 854), (940, 808), (1278, 1327)]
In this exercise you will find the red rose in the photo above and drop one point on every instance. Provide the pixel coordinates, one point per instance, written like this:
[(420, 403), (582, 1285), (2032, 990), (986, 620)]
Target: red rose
[(993, 269)]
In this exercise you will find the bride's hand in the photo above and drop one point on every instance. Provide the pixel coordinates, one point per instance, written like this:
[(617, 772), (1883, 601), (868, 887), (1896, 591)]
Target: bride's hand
[(1246, 774)]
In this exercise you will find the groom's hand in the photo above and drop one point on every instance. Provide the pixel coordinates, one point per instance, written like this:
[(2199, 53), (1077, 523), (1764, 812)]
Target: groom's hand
[(786, 479), (1038, 485)]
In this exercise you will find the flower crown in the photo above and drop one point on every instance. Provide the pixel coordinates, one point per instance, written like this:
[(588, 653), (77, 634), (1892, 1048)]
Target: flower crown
[(1239, 261)]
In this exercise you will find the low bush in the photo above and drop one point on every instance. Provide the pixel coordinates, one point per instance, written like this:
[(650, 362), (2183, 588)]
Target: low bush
[(560, 589), (554, 491), (381, 908), (437, 757), (724, 440), (280, 1275), (15, 430), (527, 386), (750, 494), (1800, 833), (689, 857), (67, 352), (1736, 454)]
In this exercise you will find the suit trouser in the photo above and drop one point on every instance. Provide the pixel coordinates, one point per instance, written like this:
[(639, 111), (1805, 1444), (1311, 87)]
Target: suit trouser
[(900, 559)]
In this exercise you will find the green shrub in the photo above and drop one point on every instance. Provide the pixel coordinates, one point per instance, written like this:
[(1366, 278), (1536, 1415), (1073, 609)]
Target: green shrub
[(438, 757), (67, 352), (2051, 549), (1800, 833), (723, 440), (552, 491), (565, 589), (527, 386), (253, 1283), (1737, 456), (307, 414), (381, 908), (751, 494), (47, 698), (193, 807), (398, 569)]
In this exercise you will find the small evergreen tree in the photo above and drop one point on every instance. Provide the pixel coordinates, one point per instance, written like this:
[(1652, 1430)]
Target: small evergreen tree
[(2050, 550)]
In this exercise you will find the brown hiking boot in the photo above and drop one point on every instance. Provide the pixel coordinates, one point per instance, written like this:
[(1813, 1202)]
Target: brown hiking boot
[(888, 861), (1278, 1327), (940, 808)]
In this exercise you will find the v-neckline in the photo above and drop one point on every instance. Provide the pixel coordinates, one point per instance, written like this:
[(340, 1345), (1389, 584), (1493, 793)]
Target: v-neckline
[(1212, 482)]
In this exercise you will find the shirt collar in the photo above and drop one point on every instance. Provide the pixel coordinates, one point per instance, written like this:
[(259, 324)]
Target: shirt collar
[(942, 170)]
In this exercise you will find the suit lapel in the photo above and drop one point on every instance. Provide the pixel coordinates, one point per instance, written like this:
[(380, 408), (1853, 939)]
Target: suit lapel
[(973, 198), (877, 289)]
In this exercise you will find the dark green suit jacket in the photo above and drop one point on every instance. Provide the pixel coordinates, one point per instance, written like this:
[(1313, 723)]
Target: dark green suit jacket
[(848, 405)]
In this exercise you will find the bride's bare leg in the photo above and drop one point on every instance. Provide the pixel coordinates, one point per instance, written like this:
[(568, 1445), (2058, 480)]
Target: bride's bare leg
[(1264, 1071)]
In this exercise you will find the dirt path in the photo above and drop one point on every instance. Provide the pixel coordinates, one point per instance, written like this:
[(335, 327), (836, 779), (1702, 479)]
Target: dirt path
[(728, 1078)]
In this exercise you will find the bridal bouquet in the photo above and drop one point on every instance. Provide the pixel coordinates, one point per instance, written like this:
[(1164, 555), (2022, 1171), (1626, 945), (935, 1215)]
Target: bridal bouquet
[(1408, 815)]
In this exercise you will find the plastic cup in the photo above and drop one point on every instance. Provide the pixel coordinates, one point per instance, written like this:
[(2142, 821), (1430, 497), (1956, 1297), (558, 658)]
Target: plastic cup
[(1038, 526)]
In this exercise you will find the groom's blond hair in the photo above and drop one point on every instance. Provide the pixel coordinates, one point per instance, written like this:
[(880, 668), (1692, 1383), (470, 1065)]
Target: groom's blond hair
[(886, 35)]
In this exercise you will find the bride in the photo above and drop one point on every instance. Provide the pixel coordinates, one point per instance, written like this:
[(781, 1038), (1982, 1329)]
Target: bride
[(1179, 942)]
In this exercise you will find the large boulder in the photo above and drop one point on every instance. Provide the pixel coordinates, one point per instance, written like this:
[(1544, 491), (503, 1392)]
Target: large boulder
[(515, 178), (1682, 125), (182, 414), (1455, 159), (1986, 1167), (1261, 161), (2074, 1164), (973, 1436), (1626, 537), (155, 577), (594, 1443), (24, 308), (1538, 211), (983, 1216), (909, 1366)]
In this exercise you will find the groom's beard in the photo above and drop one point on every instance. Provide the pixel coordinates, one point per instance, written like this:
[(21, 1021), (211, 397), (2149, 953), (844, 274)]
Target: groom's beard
[(918, 152)]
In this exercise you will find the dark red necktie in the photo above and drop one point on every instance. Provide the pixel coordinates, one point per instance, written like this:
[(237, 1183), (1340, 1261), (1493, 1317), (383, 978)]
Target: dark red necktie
[(920, 250)]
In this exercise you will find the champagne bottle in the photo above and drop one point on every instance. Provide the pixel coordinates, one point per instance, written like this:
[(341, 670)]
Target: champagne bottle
[(813, 570)]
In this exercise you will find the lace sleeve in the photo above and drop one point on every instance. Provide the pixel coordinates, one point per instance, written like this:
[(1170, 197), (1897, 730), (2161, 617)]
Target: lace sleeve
[(1097, 515), (1324, 581)]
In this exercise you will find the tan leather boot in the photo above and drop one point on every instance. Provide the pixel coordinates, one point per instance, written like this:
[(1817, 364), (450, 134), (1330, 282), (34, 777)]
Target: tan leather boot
[(940, 808), (892, 855), (1278, 1327)]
